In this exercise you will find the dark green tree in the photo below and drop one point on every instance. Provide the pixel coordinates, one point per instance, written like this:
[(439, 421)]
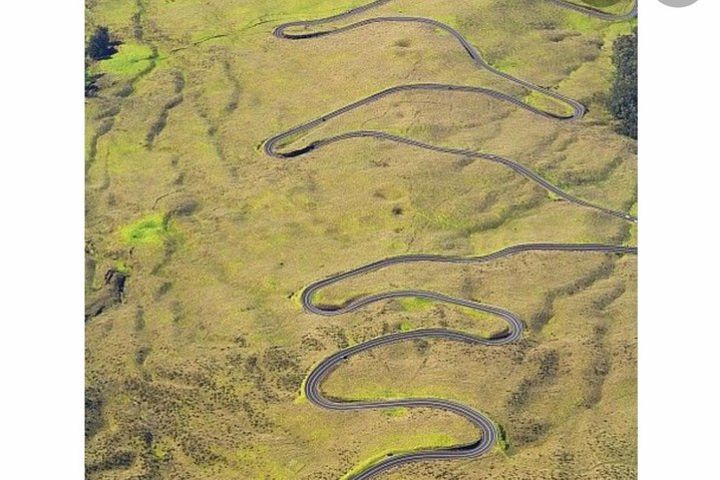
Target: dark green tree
[(624, 95), (100, 46)]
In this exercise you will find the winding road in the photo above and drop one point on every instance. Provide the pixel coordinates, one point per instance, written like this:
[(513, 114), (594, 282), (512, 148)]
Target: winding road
[(514, 332), (274, 148)]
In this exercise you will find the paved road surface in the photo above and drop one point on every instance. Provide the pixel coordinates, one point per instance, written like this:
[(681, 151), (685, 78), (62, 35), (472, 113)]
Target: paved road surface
[(513, 332), (302, 30)]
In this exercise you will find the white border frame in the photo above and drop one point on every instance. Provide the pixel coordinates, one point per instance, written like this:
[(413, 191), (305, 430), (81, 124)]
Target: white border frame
[(42, 185), (678, 321), (41, 245)]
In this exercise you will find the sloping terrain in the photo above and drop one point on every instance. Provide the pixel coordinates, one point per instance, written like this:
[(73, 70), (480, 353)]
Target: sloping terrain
[(199, 244)]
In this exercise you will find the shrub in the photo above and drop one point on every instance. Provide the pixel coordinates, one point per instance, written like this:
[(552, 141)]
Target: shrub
[(100, 46), (91, 87)]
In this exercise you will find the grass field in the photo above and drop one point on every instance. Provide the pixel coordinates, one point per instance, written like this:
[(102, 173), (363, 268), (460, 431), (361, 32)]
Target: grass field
[(197, 372)]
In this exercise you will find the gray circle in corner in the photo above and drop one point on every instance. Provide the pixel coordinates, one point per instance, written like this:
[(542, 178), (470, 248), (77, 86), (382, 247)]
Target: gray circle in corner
[(678, 3)]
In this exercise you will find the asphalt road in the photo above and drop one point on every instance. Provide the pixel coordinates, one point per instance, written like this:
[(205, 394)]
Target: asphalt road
[(594, 12), (514, 331), (274, 147)]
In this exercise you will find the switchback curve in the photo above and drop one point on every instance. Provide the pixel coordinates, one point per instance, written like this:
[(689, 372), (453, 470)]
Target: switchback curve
[(514, 331), (273, 147), (597, 13)]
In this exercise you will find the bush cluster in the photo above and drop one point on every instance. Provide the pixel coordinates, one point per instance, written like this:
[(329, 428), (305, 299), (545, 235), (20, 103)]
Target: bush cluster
[(100, 46), (624, 94)]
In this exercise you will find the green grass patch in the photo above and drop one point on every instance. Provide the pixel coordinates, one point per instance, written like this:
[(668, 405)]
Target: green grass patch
[(413, 304), (507, 64), (423, 441), (546, 103), (581, 23), (149, 230), (610, 6), (122, 267), (554, 196), (503, 444), (395, 412), (131, 60), (301, 397), (159, 452)]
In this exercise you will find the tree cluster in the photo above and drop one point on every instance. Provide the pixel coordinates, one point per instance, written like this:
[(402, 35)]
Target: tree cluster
[(624, 95), (99, 47)]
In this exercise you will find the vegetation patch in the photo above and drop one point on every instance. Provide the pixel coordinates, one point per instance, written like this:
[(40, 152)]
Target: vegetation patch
[(122, 267), (612, 6), (544, 102), (267, 228), (150, 230), (414, 304), (130, 60), (100, 45), (436, 440), (502, 442), (624, 96), (395, 412)]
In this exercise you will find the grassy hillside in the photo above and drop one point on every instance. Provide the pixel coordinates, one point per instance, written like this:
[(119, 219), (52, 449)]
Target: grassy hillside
[(195, 364)]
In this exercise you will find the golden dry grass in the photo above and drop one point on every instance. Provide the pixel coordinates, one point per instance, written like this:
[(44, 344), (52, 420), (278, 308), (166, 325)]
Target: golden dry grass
[(197, 373)]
